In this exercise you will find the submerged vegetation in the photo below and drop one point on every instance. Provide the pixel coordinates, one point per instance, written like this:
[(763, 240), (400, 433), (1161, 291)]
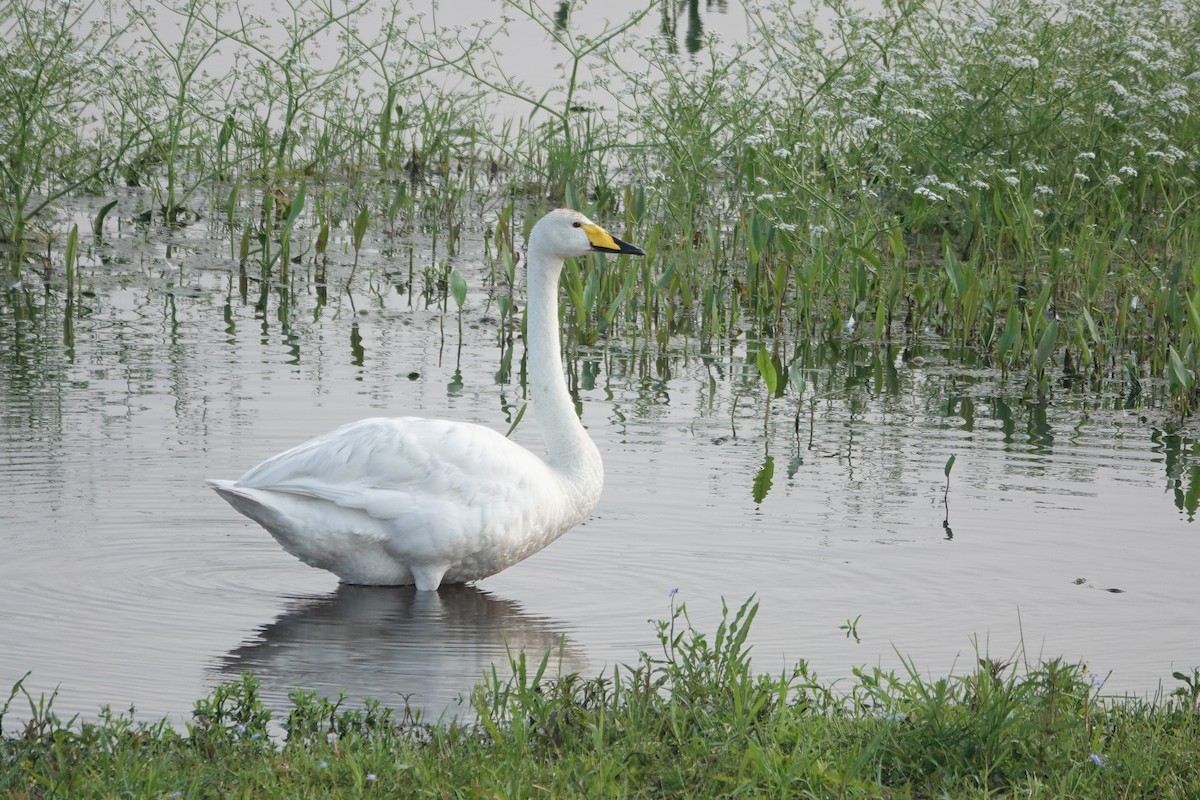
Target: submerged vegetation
[(1018, 179), (693, 721)]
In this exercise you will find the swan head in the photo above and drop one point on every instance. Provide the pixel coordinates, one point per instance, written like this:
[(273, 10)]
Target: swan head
[(564, 233)]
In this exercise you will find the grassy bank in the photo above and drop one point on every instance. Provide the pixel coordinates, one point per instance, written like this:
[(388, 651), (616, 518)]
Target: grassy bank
[(690, 721)]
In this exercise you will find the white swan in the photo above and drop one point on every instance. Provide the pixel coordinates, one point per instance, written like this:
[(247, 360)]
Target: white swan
[(426, 501)]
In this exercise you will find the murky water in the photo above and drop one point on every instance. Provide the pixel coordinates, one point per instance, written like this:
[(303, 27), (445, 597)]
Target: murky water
[(124, 580)]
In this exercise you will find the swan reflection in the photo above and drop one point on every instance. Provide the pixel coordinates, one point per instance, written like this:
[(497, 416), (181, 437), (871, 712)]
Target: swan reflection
[(396, 644)]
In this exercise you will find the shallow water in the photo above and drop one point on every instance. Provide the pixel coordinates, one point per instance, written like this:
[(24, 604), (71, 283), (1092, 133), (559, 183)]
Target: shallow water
[(124, 580)]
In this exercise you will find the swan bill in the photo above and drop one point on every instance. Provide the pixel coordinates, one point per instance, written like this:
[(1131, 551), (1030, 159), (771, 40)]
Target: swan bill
[(604, 242)]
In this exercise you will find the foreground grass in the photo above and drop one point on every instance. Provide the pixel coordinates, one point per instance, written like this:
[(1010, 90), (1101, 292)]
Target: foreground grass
[(693, 722)]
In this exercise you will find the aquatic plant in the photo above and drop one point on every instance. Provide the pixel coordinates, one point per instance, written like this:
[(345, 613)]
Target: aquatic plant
[(56, 69), (1014, 179)]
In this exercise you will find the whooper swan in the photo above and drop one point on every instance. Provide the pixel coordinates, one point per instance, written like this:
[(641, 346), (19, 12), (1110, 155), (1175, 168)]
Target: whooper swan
[(395, 501)]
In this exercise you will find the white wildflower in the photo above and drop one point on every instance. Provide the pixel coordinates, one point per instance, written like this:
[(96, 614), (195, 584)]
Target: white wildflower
[(1042, 189), (895, 78), (1128, 170), (1037, 212), (865, 124), (1012, 180), (1113, 180), (981, 25), (925, 191), (1086, 154), (817, 231), (913, 112), (1079, 176), (785, 226)]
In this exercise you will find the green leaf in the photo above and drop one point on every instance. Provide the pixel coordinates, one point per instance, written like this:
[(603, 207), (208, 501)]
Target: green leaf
[(98, 222), (949, 465), (763, 480), (360, 227), (1180, 378), (295, 207), (868, 256), (1045, 347), (796, 377), (1093, 330), (1193, 316), (958, 280), (766, 368), (72, 256), (517, 419), (1012, 330), (458, 288), (794, 466), (323, 237), (591, 289), (621, 298)]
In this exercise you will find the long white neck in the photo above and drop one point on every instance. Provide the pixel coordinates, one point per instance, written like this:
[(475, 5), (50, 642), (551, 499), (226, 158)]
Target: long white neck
[(570, 450)]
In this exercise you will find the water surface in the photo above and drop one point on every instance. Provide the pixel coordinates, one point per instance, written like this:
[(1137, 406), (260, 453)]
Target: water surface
[(125, 581)]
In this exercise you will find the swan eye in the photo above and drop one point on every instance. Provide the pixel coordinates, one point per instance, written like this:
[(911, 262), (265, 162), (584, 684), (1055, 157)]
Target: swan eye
[(577, 224)]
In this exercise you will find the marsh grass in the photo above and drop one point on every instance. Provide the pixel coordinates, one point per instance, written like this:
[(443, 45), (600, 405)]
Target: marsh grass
[(1015, 179), (691, 720)]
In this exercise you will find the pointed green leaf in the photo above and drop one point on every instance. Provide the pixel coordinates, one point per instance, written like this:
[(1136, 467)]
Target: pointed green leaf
[(764, 479), (1180, 378), (295, 207), (458, 287), (360, 227), (796, 377), (766, 368), (1046, 347), (98, 222), (323, 237)]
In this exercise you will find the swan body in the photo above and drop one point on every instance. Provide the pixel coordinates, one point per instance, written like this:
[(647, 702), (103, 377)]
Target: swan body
[(409, 500)]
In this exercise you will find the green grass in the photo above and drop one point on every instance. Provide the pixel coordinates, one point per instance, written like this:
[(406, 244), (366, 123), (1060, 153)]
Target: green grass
[(693, 720), (1017, 180)]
